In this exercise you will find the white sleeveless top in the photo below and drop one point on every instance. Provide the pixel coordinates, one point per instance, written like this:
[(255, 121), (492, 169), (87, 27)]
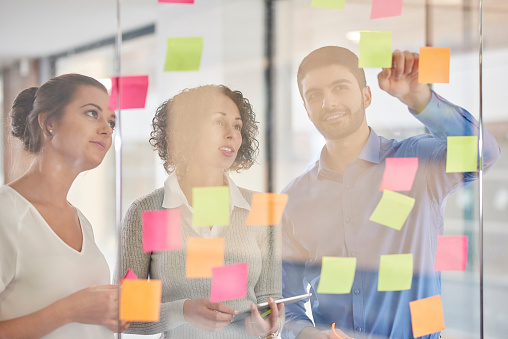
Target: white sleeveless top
[(38, 268)]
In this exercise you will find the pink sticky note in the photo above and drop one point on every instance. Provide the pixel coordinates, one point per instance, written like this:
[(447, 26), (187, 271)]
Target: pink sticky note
[(162, 230), (385, 8), (133, 90), (399, 174), (451, 253), (177, 1), (130, 275), (229, 282)]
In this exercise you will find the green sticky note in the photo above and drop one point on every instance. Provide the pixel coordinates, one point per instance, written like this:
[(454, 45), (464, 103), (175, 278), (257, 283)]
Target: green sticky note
[(393, 209), (334, 4), (211, 206), (375, 49), (337, 275), (183, 54), (395, 272), (462, 154)]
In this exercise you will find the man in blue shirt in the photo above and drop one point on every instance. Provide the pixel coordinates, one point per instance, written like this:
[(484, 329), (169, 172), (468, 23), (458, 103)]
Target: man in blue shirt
[(330, 204)]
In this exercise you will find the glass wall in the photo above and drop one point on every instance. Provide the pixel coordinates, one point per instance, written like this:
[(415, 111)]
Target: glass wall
[(256, 47)]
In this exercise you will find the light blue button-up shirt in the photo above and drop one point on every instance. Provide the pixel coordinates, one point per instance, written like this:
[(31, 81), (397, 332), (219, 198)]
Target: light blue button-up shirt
[(328, 215)]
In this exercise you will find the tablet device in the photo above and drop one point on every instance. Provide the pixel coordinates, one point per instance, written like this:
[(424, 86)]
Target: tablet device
[(263, 307)]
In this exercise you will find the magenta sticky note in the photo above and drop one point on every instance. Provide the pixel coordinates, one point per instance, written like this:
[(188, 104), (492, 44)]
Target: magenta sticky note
[(399, 174), (132, 91), (229, 282), (385, 8), (177, 1), (130, 275), (162, 230), (451, 253)]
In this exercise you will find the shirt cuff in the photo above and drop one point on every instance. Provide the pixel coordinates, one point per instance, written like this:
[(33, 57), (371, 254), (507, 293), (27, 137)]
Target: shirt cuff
[(175, 313)]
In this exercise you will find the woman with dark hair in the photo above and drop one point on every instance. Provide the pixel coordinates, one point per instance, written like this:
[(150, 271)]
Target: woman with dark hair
[(201, 134), (54, 281)]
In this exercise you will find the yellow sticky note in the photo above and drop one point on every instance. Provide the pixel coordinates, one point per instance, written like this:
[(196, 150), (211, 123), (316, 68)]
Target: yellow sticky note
[(333, 4), (375, 49), (434, 65), (211, 206), (426, 316), (393, 209), (203, 254), (266, 209), (395, 272), (462, 154), (337, 275), (183, 54), (140, 300)]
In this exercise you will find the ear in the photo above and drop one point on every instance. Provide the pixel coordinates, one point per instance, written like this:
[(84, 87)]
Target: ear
[(367, 96), (45, 124)]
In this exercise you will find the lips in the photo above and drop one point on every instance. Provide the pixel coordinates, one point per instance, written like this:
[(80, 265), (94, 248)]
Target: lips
[(100, 144), (228, 151), (334, 115)]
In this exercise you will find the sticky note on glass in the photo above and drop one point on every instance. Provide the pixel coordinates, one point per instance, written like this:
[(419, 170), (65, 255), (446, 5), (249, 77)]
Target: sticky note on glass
[(392, 210), (229, 282), (132, 90), (266, 209), (462, 154), (162, 230), (183, 54), (211, 206), (385, 8), (203, 254), (451, 253), (333, 4), (130, 275), (399, 174), (140, 300), (375, 49), (337, 275), (395, 272), (434, 65), (426, 316), (177, 1)]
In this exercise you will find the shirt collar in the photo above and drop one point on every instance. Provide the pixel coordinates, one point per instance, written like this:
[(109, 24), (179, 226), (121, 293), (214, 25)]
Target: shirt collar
[(174, 197), (370, 152)]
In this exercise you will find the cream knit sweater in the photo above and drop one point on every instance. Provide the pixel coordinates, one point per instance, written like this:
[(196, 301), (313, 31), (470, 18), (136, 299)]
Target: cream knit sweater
[(258, 246)]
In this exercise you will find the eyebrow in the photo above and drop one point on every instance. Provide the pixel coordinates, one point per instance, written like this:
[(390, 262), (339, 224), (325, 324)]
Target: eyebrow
[(224, 114), (336, 82), (99, 108)]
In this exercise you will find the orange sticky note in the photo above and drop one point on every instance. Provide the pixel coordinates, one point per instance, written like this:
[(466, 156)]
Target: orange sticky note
[(202, 255), (434, 65), (451, 253), (399, 174), (140, 300), (266, 209), (426, 316)]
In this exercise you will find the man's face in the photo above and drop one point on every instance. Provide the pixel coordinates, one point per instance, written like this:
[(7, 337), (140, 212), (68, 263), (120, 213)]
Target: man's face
[(334, 101)]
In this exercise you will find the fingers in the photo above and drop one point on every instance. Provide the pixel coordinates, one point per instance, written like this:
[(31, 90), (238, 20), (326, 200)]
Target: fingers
[(223, 308), (403, 63)]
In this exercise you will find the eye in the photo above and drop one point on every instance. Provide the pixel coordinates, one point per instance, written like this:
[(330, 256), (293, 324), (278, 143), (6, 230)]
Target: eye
[(112, 124), (92, 113), (340, 88), (238, 127), (313, 96), (219, 122)]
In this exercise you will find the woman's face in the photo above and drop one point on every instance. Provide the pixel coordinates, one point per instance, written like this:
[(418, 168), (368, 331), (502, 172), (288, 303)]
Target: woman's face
[(218, 135), (83, 135)]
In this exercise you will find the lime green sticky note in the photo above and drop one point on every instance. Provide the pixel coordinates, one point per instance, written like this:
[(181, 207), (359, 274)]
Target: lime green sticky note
[(183, 54), (211, 206), (395, 272), (462, 154), (393, 209), (375, 49), (337, 275), (334, 4)]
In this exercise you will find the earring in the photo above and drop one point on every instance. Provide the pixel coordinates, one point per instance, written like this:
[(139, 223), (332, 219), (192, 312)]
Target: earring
[(50, 132)]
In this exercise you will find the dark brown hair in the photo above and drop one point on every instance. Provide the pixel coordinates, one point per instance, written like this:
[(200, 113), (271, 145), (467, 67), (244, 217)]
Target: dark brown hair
[(51, 98), (174, 124), (331, 55)]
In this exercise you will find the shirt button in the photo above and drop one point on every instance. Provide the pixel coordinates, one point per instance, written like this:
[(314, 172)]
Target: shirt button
[(359, 329), (357, 291), (348, 220)]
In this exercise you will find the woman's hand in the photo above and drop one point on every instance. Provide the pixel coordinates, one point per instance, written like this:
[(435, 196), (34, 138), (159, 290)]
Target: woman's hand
[(208, 316), (257, 326), (97, 305)]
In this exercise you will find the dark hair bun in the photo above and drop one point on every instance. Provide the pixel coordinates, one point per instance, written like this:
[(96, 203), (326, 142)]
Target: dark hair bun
[(21, 108)]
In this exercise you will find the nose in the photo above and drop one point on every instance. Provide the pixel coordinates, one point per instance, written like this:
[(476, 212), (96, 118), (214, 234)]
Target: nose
[(105, 128), (231, 133), (329, 101)]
